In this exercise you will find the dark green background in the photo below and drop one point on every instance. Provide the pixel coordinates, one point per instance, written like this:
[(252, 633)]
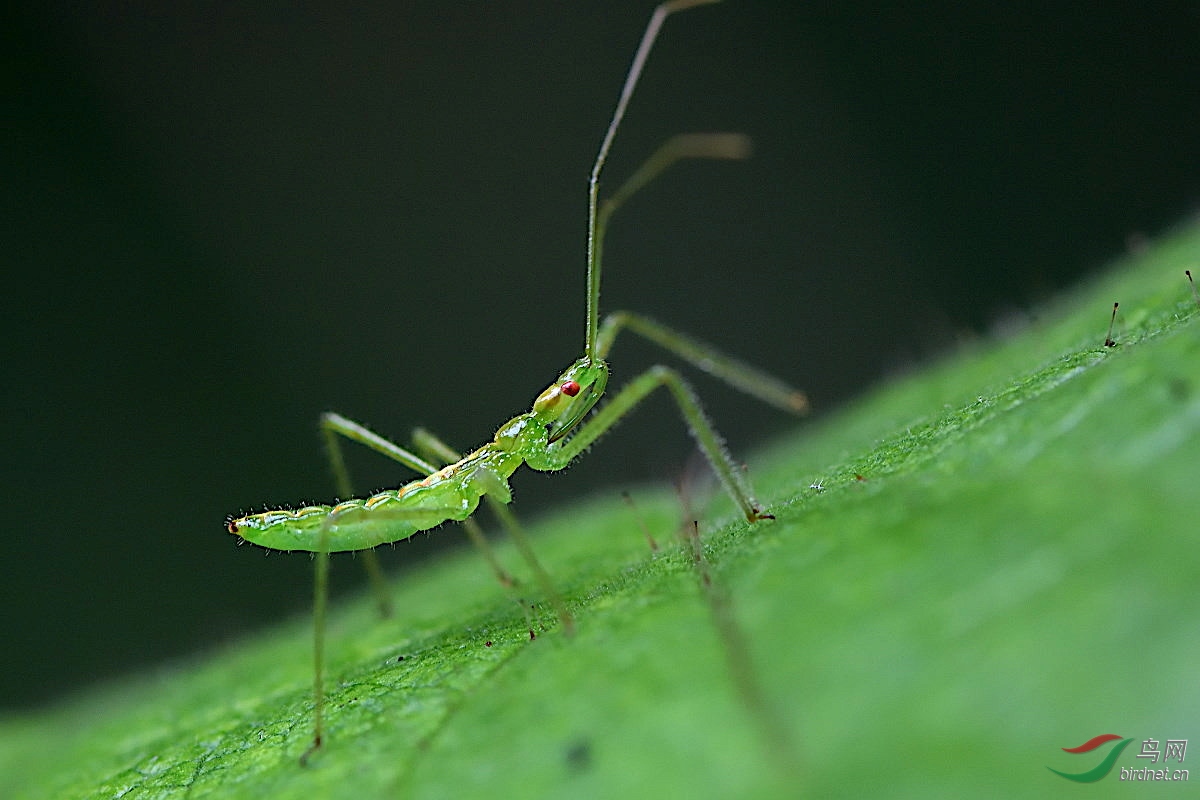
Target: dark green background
[(221, 222)]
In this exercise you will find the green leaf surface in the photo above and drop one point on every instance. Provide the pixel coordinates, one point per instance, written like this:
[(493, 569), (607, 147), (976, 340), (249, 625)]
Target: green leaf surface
[(971, 568)]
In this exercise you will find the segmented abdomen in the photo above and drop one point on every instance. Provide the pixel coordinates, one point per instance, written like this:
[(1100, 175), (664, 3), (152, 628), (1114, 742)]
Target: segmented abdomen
[(452, 492), (358, 524)]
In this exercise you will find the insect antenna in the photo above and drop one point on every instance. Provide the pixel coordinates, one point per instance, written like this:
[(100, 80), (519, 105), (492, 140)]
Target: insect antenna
[(594, 243)]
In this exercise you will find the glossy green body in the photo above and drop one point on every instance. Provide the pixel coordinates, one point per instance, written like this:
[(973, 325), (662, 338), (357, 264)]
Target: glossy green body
[(546, 438), (535, 438)]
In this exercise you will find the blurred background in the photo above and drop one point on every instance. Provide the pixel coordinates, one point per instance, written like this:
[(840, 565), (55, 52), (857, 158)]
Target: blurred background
[(220, 222)]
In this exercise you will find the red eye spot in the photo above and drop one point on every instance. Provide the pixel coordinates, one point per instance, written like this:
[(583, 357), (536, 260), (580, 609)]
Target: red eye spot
[(570, 388)]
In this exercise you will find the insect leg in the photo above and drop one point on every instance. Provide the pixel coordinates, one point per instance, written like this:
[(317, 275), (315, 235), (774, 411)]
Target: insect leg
[(745, 677), (710, 442), (334, 426), (736, 373), (337, 424), (441, 457), (687, 145), (741, 376), (320, 602), (435, 449), (597, 216)]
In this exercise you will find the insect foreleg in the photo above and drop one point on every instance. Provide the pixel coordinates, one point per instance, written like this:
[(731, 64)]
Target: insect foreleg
[(702, 430)]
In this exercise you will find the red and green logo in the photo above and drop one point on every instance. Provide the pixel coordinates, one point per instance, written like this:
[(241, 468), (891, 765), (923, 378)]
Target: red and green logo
[(1104, 767)]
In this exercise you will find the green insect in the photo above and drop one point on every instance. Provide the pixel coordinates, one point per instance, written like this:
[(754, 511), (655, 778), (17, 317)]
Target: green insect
[(548, 437)]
